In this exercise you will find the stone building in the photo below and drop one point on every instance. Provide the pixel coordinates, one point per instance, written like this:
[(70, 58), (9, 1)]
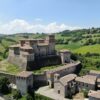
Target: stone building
[(94, 95), (65, 85), (32, 54), (65, 56), (24, 81), (87, 82), (27, 51), (62, 71), (97, 74)]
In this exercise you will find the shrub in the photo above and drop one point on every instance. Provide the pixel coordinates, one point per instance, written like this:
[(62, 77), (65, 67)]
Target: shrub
[(29, 97), (4, 82), (16, 94)]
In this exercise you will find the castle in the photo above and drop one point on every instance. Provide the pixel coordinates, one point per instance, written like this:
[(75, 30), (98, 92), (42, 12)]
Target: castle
[(30, 53)]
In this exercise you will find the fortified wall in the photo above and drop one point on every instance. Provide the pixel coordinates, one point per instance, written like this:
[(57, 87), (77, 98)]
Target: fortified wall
[(31, 54)]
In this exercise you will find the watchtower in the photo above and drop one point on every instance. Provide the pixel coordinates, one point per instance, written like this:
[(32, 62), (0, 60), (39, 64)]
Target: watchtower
[(65, 56), (24, 81)]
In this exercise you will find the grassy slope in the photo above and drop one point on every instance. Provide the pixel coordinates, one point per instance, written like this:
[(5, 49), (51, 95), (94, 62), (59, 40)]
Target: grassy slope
[(91, 49), (9, 68), (71, 47)]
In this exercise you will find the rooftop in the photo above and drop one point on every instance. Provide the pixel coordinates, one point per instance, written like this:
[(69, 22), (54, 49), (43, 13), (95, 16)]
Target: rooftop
[(67, 78), (26, 47), (95, 94), (24, 74), (90, 79)]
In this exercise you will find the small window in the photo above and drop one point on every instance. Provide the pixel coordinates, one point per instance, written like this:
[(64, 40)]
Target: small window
[(58, 91)]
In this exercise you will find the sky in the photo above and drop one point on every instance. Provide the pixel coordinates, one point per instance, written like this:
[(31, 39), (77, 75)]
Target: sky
[(48, 16)]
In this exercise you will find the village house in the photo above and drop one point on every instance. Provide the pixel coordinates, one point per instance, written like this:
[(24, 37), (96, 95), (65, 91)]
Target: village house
[(94, 95), (63, 70), (97, 74), (65, 85), (87, 82)]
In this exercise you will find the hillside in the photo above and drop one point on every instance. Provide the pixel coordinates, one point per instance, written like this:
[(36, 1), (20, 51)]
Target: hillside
[(85, 43), (91, 48)]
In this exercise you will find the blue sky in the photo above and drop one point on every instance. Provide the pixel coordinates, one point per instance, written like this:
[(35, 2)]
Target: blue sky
[(48, 15)]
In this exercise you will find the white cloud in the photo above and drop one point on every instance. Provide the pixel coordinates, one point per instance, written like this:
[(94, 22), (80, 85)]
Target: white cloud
[(19, 25)]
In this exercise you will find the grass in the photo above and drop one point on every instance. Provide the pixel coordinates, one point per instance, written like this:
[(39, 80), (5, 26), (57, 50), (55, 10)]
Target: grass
[(40, 71), (90, 48), (9, 68), (71, 46)]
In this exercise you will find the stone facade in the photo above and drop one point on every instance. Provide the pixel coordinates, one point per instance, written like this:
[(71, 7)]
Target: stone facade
[(24, 81)]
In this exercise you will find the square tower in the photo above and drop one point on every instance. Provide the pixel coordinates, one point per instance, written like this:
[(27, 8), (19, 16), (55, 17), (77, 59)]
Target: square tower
[(65, 56), (24, 80)]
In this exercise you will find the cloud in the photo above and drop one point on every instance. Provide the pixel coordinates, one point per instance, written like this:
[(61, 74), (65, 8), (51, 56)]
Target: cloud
[(19, 25)]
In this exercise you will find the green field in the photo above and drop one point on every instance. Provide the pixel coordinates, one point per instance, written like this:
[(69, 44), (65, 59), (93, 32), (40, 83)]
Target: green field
[(90, 48), (71, 47)]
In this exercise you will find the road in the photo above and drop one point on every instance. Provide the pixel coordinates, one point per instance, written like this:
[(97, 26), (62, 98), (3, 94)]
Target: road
[(46, 91)]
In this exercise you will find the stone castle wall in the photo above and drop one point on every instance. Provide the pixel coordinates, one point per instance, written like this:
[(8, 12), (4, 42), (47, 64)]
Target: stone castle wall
[(16, 60)]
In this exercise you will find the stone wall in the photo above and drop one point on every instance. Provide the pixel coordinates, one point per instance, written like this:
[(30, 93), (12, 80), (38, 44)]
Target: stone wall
[(36, 64), (39, 80), (16, 60), (48, 61)]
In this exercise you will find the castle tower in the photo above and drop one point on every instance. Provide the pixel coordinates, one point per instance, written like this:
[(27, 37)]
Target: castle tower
[(65, 56), (56, 77), (27, 53), (24, 81), (50, 39)]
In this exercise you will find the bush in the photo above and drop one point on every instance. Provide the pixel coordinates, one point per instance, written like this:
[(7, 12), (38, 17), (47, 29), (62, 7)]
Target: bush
[(16, 94), (4, 82), (29, 97), (85, 93), (74, 56)]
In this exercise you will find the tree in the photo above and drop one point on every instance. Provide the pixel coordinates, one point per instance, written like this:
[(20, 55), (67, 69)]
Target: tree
[(74, 56), (85, 91), (4, 82)]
